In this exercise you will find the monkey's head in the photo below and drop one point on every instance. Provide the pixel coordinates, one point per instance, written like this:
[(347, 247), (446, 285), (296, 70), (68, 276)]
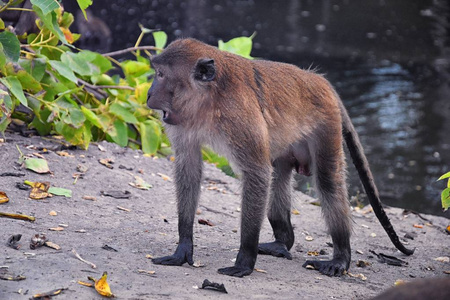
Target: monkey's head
[(184, 75)]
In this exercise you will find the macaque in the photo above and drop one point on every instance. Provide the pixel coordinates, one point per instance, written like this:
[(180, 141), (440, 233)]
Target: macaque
[(267, 118)]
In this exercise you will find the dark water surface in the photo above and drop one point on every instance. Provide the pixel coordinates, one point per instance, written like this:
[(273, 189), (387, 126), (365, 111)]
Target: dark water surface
[(389, 61)]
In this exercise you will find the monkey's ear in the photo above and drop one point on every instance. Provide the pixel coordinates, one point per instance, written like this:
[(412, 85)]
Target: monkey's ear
[(205, 69)]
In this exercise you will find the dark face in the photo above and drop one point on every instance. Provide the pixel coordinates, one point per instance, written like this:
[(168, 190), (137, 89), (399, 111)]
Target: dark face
[(161, 94), (172, 84)]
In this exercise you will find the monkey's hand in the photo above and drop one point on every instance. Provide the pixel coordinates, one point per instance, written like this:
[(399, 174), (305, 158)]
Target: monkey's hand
[(276, 248), (183, 254), (334, 267)]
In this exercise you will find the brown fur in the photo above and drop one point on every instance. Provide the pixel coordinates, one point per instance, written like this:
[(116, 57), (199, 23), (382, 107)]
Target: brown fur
[(267, 118)]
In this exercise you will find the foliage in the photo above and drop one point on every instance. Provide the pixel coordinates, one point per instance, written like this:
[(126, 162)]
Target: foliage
[(71, 92), (445, 195)]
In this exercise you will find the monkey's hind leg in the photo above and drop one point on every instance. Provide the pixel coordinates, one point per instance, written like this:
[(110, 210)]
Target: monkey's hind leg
[(332, 190), (280, 211)]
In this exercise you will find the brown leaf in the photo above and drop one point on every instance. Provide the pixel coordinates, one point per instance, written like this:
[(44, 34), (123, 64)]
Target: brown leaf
[(418, 226), (52, 245), (205, 222), (92, 198), (39, 190), (107, 162), (64, 153)]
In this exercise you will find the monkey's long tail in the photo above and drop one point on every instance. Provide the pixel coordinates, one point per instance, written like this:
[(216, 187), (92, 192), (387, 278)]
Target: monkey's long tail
[(360, 161)]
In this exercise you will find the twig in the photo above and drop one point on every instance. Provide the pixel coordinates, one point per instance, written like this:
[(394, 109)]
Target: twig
[(83, 260), (131, 49), (97, 87), (217, 212)]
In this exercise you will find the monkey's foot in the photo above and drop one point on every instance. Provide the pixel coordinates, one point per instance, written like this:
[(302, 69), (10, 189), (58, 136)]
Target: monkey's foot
[(334, 267), (235, 271), (182, 255), (276, 248)]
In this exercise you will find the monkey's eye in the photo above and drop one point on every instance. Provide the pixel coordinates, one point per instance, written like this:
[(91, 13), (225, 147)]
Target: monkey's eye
[(159, 74)]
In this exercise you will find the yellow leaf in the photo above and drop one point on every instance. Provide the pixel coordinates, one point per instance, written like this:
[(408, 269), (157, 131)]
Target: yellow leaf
[(3, 197), (295, 212), (39, 190), (102, 286), (85, 283)]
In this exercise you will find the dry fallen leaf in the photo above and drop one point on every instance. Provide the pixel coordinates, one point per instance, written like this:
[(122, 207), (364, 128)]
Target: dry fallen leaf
[(64, 153), (59, 228), (39, 190), (53, 213), (360, 276), (123, 208), (17, 216), (260, 270), (148, 256), (107, 162), (373, 234), (313, 253), (48, 295), (102, 286), (205, 222), (418, 226), (309, 238), (52, 245), (92, 198), (146, 272), (165, 177), (38, 240), (295, 212), (3, 197), (444, 259), (88, 284)]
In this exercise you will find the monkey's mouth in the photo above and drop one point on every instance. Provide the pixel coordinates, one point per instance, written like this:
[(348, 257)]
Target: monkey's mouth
[(169, 117)]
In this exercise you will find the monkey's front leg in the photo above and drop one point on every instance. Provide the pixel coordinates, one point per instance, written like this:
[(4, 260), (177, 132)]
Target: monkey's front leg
[(255, 191), (188, 174)]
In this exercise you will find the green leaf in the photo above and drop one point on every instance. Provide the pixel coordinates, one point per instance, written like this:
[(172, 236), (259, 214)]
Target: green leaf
[(150, 136), (83, 5), (63, 69), (92, 117), (121, 112), (75, 118), (28, 82), (119, 133), (60, 192), (77, 62), (2, 25), (13, 84), (37, 165), (445, 198), (50, 21), (446, 175), (46, 5), (135, 68), (36, 67), (160, 38), (241, 46), (98, 60), (11, 45)]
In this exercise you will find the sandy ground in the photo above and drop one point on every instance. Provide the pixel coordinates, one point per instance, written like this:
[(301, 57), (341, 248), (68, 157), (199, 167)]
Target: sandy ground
[(150, 228)]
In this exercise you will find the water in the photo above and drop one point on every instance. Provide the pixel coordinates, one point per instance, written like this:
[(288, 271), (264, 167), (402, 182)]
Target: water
[(389, 61)]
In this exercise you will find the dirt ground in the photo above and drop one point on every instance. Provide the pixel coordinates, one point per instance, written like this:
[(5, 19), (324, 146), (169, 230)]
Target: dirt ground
[(148, 226)]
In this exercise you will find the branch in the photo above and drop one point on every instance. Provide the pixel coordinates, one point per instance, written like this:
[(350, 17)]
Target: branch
[(131, 49), (98, 87)]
